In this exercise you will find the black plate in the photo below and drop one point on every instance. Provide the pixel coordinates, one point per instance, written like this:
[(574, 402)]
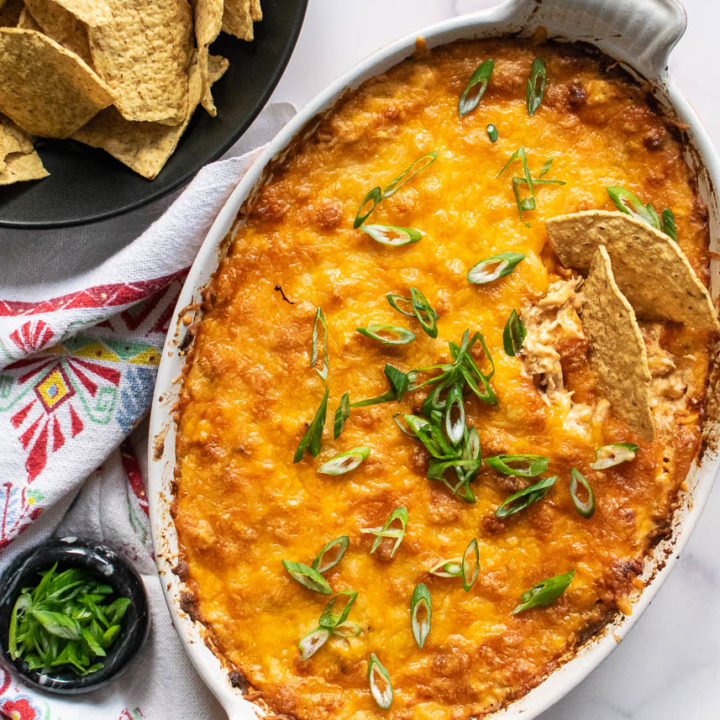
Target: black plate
[(86, 184)]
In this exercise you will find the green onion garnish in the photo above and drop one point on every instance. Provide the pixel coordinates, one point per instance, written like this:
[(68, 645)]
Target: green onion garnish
[(454, 406), (535, 88), (430, 436), (308, 577), (399, 384), (309, 644), (493, 268), (544, 592), (313, 435), (523, 498), (400, 515), (319, 317), (610, 455), (387, 334), (514, 334), (447, 568), (330, 620), (520, 465), (409, 173), (475, 89), (585, 507), (420, 308), (341, 415), (380, 685), (631, 204), (420, 613), (470, 572), (321, 564), (393, 235), (492, 132), (374, 196), (394, 299), (668, 223), (348, 629), (345, 462)]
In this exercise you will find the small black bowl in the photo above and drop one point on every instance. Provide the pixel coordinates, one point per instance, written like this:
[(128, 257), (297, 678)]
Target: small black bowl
[(110, 568)]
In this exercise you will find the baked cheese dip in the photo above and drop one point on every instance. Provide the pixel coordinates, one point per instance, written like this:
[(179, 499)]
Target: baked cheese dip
[(447, 385)]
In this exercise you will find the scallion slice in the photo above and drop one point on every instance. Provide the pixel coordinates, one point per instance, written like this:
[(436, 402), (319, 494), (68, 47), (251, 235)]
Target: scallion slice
[(535, 88), (492, 132), (374, 196), (399, 384), (387, 334), (668, 223), (514, 334), (431, 437), (475, 89), (424, 312), (393, 235), (338, 547), (329, 619), (309, 644), (455, 407), (585, 507), (345, 462), (319, 318), (341, 415), (313, 435), (470, 566), (394, 299), (409, 173), (631, 204), (545, 592), (348, 629), (493, 268), (520, 465), (400, 515), (610, 455), (420, 613), (447, 568), (308, 577), (380, 685), (523, 498)]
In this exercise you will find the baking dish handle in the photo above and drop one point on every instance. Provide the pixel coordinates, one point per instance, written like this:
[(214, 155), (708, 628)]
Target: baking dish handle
[(640, 32)]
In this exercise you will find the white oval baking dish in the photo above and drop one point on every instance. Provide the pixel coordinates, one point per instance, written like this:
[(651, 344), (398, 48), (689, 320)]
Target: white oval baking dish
[(638, 33)]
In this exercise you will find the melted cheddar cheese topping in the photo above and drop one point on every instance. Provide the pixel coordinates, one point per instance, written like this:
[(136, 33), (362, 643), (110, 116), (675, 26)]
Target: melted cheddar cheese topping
[(242, 505)]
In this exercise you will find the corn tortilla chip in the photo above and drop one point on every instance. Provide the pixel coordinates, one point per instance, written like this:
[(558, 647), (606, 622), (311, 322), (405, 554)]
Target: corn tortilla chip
[(650, 269), (60, 25), (208, 23), (26, 21), (217, 66), (22, 166), (12, 140), (255, 10), (617, 349), (10, 13), (90, 12), (45, 89), (143, 147), (237, 19), (144, 54)]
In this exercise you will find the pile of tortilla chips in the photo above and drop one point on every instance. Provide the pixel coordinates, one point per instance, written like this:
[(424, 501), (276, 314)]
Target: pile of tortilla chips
[(121, 75), (635, 271)]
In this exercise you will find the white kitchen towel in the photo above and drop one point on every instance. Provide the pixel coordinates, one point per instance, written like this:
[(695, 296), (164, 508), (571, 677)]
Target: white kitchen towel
[(79, 349)]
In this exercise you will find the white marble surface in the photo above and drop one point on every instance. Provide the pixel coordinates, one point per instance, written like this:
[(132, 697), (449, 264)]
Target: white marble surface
[(669, 665)]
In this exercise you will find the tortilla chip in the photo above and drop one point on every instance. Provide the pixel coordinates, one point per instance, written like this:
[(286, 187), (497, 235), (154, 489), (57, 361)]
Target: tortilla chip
[(617, 349), (90, 12), (650, 268), (44, 88), (237, 19), (60, 25), (255, 10), (208, 23), (26, 21), (22, 166), (143, 147), (217, 66), (10, 13), (143, 54), (12, 140)]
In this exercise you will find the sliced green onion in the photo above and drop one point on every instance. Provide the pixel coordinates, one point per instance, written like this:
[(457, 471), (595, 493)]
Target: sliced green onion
[(492, 132), (610, 455), (345, 462), (399, 383), (321, 564), (475, 89), (535, 86), (631, 204), (514, 334), (668, 223), (347, 629), (330, 620), (309, 644), (341, 415), (465, 468), (585, 507), (313, 435), (391, 334), (394, 299), (374, 197), (420, 614), (400, 425), (380, 685), (307, 577), (529, 465), (545, 168), (545, 592), (469, 572), (393, 235), (455, 429), (400, 515), (494, 267), (447, 568), (528, 203), (319, 317), (523, 498), (431, 437), (409, 173), (424, 312)]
